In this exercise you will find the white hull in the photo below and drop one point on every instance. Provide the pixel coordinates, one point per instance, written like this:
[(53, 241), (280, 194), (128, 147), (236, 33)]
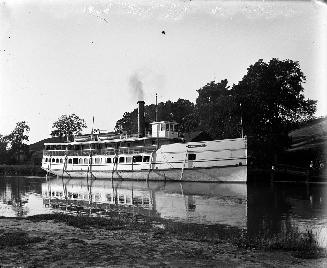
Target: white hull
[(207, 161), (213, 174)]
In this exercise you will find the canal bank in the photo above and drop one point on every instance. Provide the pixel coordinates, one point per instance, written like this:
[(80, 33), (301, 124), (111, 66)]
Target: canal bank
[(67, 241)]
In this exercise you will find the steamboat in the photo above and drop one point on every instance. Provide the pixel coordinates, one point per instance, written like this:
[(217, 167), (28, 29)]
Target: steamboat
[(160, 155)]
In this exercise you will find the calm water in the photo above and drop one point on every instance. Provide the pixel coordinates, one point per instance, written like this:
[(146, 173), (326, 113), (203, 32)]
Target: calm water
[(268, 208)]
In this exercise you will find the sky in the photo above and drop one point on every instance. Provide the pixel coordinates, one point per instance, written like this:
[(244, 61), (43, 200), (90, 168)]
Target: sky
[(98, 58)]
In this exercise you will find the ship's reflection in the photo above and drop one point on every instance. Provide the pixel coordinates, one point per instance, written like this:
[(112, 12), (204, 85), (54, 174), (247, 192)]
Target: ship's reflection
[(190, 202), (267, 209)]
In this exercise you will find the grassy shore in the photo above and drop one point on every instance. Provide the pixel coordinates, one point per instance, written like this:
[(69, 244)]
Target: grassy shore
[(69, 241)]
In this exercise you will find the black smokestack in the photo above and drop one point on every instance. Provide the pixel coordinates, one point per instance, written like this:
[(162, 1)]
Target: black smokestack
[(141, 120)]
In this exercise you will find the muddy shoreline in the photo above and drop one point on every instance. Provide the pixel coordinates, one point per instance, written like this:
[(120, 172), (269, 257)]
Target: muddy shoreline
[(68, 241)]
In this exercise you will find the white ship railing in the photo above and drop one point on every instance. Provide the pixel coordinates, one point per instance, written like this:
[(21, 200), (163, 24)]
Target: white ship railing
[(97, 152)]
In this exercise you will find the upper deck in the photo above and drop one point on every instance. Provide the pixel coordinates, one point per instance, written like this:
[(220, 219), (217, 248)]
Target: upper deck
[(110, 143), (106, 147)]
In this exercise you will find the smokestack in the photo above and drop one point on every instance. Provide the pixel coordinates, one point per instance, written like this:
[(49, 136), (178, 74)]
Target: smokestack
[(141, 120)]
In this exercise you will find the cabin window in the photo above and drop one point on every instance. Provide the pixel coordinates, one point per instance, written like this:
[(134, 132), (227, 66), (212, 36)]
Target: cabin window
[(153, 142), (108, 197), (129, 159), (121, 199), (70, 161), (57, 160), (80, 161), (61, 160), (85, 161), (146, 158), (53, 160), (137, 158), (75, 160), (137, 200), (108, 160), (46, 160), (121, 159), (97, 160), (191, 156), (146, 201)]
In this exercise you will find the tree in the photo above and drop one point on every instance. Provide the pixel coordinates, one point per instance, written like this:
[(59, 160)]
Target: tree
[(3, 149), (271, 95), (68, 125), (218, 112), (15, 141), (272, 101), (167, 111)]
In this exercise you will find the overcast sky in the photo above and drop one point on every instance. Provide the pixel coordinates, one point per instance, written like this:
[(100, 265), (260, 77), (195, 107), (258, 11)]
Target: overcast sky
[(59, 57)]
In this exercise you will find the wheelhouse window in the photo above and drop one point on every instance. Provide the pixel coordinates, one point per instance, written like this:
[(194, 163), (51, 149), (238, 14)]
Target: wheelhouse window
[(191, 156), (146, 158), (128, 159)]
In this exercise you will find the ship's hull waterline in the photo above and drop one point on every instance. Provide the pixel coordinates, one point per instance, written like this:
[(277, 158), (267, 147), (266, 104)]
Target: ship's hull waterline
[(211, 174)]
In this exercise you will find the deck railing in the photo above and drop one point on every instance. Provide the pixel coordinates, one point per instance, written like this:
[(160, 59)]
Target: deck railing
[(97, 152)]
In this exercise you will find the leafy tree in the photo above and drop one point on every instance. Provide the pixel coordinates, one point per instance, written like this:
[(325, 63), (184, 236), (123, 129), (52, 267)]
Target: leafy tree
[(218, 111), (272, 97), (15, 141), (3, 149), (167, 111), (68, 125), (17, 137)]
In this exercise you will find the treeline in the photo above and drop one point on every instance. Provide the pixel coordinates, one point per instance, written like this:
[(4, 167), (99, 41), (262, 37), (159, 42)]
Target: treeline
[(266, 104)]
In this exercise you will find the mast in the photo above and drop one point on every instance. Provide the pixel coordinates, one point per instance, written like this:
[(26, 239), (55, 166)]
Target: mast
[(156, 119), (242, 134)]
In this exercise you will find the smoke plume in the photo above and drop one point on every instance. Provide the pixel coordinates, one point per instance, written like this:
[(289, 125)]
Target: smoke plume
[(136, 86)]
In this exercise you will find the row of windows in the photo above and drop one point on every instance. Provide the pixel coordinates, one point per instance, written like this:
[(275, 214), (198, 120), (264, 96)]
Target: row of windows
[(122, 199), (97, 160)]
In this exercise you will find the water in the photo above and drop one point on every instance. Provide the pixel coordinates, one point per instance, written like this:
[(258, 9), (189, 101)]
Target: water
[(258, 208)]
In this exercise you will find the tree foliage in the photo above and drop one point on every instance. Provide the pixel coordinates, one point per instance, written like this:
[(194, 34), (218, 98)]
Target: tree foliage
[(167, 111), (13, 145), (218, 111), (3, 148), (18, 136), (68, 125), (272, 97)]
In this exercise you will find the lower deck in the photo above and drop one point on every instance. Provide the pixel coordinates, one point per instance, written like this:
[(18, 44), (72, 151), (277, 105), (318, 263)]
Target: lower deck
[(212, 174)]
